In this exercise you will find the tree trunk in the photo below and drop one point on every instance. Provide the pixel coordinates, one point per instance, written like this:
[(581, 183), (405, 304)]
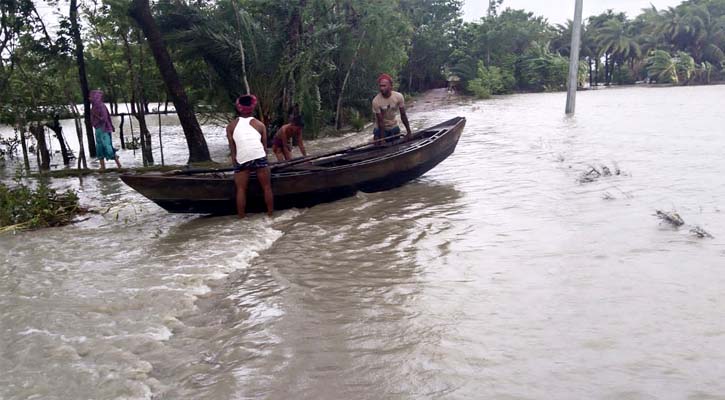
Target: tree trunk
[(198, 150), (145, 135), (606, 69), (591, 75), (81, 152), (241, 47), (120, 133), (24, 146), (338, 114), (58, 130), (596, 71), (293, 34), (83, 79), (161, 143), (38, 132), (137, 109)]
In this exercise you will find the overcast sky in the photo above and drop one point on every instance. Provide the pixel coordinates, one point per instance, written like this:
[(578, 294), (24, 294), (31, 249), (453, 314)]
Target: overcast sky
[(558, 11)]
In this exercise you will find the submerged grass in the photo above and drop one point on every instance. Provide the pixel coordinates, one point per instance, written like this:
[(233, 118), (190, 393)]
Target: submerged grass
[(22, 207)]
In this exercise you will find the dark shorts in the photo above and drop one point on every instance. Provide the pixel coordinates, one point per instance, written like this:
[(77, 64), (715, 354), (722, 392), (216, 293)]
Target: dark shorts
[(252, 165), (277, 142), (387, 134)]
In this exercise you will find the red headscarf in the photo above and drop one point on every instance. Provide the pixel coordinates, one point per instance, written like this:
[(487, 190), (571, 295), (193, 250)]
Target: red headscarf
[(246, 109), (385, 77)]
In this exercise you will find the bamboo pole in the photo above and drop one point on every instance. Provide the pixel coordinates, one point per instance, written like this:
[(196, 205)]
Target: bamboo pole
[(574, 58)]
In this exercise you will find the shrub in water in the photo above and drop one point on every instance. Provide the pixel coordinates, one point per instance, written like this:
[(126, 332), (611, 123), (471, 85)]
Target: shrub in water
[(22, 207)]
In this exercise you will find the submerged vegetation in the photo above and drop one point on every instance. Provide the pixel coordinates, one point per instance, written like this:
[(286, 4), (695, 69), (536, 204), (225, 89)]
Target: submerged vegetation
[(319, 58), (23, 207)]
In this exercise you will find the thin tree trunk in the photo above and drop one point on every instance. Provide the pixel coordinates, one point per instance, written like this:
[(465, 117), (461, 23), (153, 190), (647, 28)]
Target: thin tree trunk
[(82, 78), (338, 114), (591, 76), (137, 109), (24, 146), (79, 130), (161, 143), (596, 71), (606, 69), (133, 139), (38, 132), (241, 46), (198, 150), (58, 130), (145, 135), (146, 146), (81, 152), (120, 133), (293, 34)]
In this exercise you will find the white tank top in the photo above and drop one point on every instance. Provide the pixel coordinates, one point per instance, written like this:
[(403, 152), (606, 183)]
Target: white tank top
[(248, 141)]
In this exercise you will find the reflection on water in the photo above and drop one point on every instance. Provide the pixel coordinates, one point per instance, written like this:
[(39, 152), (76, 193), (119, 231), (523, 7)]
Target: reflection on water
[(496, 275)]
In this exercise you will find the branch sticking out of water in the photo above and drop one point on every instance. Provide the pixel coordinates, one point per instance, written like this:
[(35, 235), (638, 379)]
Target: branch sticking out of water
[(675, 220), (701, 233), (595, 173), (671, 218)]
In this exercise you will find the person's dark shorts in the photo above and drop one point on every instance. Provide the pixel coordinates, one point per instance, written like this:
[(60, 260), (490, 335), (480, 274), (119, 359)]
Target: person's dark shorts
[(388, 134), (252, 165), (277, 142)]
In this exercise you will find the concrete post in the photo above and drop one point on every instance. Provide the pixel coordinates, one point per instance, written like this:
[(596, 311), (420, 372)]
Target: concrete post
[(574, 58)]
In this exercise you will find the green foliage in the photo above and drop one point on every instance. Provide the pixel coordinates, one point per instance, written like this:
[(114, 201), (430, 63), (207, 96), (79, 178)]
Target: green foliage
[(434, 23), (662, 67), (357, 121), (490, 80), (685, 66), (541, 70), (23, 207)]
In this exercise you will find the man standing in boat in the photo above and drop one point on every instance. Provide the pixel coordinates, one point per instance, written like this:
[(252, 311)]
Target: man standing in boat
[(386, 106), (248, 143)]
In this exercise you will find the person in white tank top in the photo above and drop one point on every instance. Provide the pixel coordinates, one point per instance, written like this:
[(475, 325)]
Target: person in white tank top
[(248, 145)]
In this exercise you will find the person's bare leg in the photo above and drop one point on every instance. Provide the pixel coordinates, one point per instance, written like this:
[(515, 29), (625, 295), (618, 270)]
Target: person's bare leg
[(287, 153), (278, 153), (103, 164), (241, 179), (118, 162), (265, 181)]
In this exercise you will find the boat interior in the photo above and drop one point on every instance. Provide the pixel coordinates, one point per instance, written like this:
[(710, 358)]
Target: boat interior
[(364, 153)]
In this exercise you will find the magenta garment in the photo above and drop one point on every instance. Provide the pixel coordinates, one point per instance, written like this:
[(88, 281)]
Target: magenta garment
[(100, 117)]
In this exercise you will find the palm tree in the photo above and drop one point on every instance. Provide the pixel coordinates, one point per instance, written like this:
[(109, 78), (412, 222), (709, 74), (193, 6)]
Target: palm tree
[(662, 67), (614, 38), (685, 66)]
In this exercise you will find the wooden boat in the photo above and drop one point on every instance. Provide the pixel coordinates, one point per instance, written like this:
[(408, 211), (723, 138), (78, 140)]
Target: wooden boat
[(308, 181)]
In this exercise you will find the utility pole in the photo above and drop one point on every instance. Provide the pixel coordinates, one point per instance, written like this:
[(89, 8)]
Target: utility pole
[(576, 35)]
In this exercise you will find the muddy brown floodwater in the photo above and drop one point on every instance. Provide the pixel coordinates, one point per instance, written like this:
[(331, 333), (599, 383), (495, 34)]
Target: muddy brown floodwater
[(499, 274)]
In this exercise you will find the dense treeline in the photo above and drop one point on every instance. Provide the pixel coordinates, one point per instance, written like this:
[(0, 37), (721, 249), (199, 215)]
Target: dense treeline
[(515, 50), (321, 57)]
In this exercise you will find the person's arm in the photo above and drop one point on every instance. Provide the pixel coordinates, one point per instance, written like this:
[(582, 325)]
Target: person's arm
[(232, 145), (95, 117), (301, 144), (404, 118), (110, 120)]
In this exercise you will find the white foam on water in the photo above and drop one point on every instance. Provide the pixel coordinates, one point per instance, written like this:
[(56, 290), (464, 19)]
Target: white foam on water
[(161, 333)]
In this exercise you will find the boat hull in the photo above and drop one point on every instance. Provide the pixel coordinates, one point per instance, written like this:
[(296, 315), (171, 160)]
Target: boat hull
[(306, 185)]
